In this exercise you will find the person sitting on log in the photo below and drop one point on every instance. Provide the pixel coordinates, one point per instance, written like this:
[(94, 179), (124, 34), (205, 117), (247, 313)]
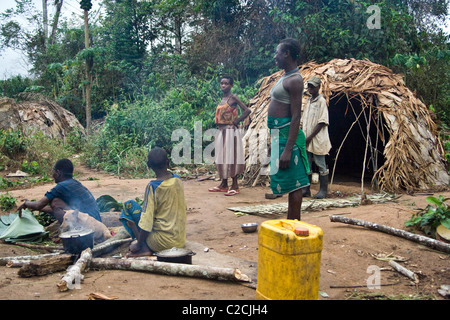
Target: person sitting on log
[(68, 194), (161, 221)]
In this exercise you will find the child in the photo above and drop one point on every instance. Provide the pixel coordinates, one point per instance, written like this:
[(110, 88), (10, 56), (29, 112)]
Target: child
[(161, 222), (229, 150), (315, 125)]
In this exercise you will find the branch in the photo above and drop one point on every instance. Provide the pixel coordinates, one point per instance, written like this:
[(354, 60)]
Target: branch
[(429, 242), (173, 269), (74, 272)]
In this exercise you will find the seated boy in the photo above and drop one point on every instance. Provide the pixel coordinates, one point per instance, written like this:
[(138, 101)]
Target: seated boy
[(161, 222)]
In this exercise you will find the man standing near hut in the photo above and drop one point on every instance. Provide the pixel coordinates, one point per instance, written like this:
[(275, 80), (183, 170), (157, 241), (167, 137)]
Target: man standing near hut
[(314, 124), (289, 166)]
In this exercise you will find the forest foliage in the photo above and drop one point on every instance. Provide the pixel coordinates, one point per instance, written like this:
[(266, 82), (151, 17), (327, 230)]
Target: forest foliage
[(154, 64)]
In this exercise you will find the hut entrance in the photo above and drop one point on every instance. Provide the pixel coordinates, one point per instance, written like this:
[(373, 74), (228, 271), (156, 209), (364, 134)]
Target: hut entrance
[(348, 129)]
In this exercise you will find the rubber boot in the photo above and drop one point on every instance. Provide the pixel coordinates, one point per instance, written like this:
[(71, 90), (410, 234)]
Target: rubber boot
[(323, 187), (306, 192)]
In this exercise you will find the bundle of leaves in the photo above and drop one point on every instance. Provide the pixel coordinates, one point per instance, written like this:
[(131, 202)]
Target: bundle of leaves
[(434, 214)]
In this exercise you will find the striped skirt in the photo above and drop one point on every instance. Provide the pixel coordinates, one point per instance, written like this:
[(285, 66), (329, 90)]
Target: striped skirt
[(229, 151)]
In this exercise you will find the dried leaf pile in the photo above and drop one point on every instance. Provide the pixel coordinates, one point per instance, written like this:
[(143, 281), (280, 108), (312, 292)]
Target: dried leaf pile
[(274, 210), (413, 152), (35, 113)]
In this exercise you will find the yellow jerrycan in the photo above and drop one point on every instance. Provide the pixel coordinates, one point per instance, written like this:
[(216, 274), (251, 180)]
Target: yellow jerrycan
[(289, 253)]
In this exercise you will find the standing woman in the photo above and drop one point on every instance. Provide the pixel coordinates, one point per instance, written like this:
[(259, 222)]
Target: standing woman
[(229, 149), (289, 166)]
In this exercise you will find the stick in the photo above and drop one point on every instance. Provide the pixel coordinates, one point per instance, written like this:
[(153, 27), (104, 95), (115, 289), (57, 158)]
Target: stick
[(363, 285), (429, 242), (74, 272), (365, 151), (5, 260), (106, 247), (404, 271), (173, 269), (39, 247), (43, 266)]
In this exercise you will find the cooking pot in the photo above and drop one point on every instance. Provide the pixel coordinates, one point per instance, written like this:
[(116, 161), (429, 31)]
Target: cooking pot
[(77, 240), (175, 255)]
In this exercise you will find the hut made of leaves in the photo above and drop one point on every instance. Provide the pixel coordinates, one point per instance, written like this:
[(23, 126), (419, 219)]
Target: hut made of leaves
[(378, 128)]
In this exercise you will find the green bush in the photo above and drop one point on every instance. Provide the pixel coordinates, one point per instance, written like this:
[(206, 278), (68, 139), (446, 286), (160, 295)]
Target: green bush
[(31, 167), (428, 219), (12, 142), (7, 201)]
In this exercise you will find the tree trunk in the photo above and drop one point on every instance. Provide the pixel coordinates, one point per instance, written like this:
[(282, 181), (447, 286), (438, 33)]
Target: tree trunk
[(5, 260), (178, 34), (45, 266), (108, 246), (58, 4), (426, 241), (39, 247), (45, 22), (173, 269), (88, 73)]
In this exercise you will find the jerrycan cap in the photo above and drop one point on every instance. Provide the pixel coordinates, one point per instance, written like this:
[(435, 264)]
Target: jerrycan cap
[(301, 231)]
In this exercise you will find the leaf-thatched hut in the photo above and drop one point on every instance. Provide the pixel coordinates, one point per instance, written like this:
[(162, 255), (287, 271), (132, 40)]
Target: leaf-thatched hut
[(35, 113), (366, 100)]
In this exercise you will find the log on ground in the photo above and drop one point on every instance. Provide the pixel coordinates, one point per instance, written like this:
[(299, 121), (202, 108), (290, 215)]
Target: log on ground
[(46, 265), (426, 241), (173, 269), (74, 273), (4, 260)]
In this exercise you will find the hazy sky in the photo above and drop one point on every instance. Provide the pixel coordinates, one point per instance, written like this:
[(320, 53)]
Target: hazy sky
[(14, 62)]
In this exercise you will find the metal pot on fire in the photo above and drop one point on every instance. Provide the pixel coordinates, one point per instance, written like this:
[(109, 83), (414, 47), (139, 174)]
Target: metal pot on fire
[(77, 240)]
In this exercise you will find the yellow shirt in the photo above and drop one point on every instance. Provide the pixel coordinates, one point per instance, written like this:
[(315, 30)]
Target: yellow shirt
[(164, 214)]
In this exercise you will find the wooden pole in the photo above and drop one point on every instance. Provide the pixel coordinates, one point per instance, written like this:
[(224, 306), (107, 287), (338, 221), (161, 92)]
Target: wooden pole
[(426, 241), (173, 269), (74, 276)]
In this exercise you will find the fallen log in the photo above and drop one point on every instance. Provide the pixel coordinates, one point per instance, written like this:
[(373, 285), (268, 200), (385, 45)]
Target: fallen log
[(5, 260), (43, 266), (426, 241), (401, 269), (173, 269), (108, 246), (74, 274), (39, 247)]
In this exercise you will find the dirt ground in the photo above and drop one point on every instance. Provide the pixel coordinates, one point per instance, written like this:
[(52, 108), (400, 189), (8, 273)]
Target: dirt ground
[(214, 233)]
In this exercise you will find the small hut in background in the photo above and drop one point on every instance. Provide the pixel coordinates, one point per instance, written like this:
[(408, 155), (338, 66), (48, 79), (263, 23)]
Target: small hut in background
[(34, 113), (378, 128)]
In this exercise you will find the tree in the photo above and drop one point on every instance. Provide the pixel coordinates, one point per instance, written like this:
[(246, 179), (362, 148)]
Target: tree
[(86, 5)]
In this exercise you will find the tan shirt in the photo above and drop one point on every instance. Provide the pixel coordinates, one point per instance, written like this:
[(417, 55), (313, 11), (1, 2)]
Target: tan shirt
[(316, 111)]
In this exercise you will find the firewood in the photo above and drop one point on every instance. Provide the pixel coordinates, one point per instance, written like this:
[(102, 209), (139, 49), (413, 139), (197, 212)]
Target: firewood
[(100, 296), (5, 260), (39, 247), (426, 241), (74, 273), (173, 269), (44, 266), (108, 246), (401, 269)]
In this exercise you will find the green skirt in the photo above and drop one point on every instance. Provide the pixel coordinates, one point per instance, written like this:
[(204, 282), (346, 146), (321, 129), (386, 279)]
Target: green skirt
[(296, 175)]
